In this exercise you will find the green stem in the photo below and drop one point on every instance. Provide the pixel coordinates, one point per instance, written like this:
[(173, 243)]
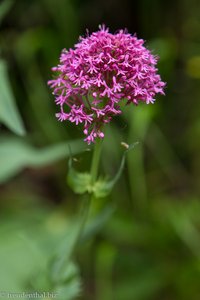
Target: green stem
[(84, 212), (85, 209), (95, 161), (87, 201)]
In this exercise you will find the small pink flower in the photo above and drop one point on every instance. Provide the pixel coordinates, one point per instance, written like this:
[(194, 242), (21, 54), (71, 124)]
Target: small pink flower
[(103, 70)]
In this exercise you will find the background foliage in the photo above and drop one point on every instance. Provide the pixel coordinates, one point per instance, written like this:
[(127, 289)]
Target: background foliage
[(143, 241)]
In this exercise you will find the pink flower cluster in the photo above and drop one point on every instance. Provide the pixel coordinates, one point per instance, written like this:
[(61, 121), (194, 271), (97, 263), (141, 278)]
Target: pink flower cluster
[(103, 70)]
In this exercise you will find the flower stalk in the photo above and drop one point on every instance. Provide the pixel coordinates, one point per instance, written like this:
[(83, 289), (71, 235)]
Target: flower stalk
[(95, 161)]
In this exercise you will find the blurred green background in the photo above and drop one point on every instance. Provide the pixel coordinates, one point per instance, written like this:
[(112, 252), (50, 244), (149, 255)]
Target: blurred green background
[(143, 241)]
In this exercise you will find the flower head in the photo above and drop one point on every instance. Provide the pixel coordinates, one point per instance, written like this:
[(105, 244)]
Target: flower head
[(103, 70)]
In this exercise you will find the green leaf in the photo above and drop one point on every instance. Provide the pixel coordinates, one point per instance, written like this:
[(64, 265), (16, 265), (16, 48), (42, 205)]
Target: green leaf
[(64, 274), (64, 251), (15, 269), (80, 183), (68, 243), (23, 252), (9, 114), (28, 269), (16, 154), (71, 288), (102, 188)]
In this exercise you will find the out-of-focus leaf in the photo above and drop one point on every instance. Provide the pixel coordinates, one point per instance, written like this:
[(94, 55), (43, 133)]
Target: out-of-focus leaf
[(103, 188), (99, 221), (27, 270), (16, 154), (63, 272), (4, 8), (63, 253), (166, 156), (70, 239), (142, 287), (9, 114), (106, 257), (17, 269), (64, 15), (183, 222), (140, 120), (70, 288)]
